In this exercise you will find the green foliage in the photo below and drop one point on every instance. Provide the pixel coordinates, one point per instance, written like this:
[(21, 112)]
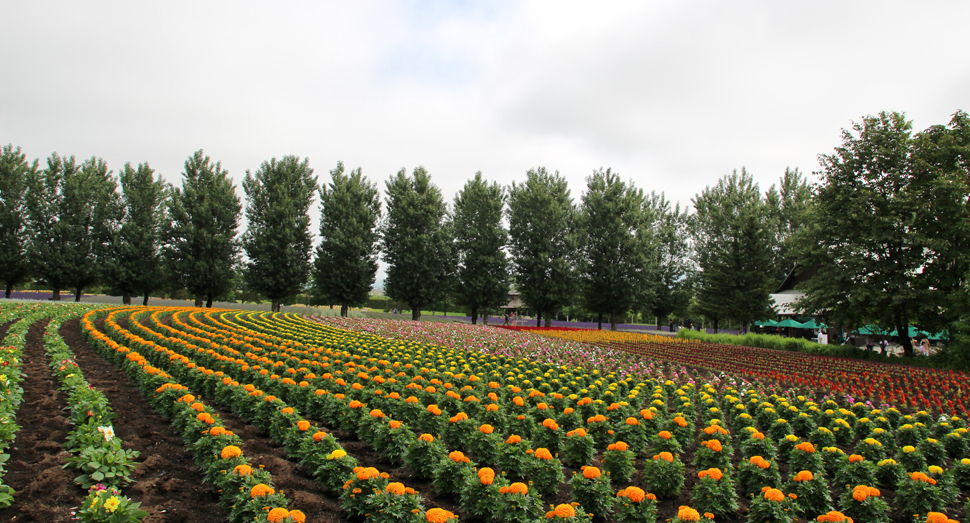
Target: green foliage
[(619, 462), (617, 263), (577, 449), (15, 172), (135, 258), (107, 505), (765, 510), (664, 478), (714, 493), (416, 242), (483, 269), (671, 255), (592, 490), (732, 234), (542, 241), (201, 247), (71, 209), (277, 239), (107, 463), (346, 259)]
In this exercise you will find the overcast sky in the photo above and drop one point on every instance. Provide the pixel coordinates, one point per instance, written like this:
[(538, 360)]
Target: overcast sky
[(672, 95)]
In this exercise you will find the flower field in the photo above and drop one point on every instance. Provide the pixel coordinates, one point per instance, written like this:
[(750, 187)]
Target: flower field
[(487, 424)]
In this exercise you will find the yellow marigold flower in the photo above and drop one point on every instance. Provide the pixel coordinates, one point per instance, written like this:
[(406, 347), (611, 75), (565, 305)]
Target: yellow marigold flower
[(935, 469), (231, 452), (909, 448), (337, 454)]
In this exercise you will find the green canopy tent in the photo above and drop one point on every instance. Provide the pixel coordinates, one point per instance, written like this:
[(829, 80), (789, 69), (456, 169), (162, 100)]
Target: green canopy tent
[(766, 323), (811, 324), (788, 322), (913, 332)]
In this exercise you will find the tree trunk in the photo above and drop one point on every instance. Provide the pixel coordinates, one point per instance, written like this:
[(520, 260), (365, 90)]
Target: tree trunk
[(56, 295), (126, 298), (715, 326), (208, 302), (485, 318), (77, 294), (538, 319), (902, 335), (144, 300), (612, 321), (599, 321), (198, 301), (8, 291), (474, 316), (548, 319), (274, 305), (415, 313), (343, 310)]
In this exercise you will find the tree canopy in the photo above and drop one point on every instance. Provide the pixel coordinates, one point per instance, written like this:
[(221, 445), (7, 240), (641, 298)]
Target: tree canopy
[(15, 172), (136, 261), (201, 248), (542, 241), (480, 238), (416, 241), (346, 261)]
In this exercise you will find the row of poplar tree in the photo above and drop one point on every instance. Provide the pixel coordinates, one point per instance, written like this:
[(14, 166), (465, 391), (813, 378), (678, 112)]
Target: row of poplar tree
[(886, 233)]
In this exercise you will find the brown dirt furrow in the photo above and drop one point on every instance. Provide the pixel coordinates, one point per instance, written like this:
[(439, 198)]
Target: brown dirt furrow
[(44, 491), (167, 482)]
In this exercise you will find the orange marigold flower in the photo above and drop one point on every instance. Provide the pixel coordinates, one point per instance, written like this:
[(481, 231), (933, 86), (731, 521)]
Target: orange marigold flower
[(365, 473), (685, 513), (433, 409), (277, 514), (665, 434), (287, 410), (518, 488), (634, 494), (578, 432), (860, 493), (591, 472), (632, 421), (395, 488), (666, 456), (936, 517), (834, 517), (543, 453), (713, 473), (303, 425), (550, 424), (231, 452), (774, 494), (198, 407), (565, 511), (376, 413), (217, 431), (855, 458), (486, 476), (298, 516), (242, 470), (758, 435), (205, 417), (681, 422), (619, 445), (458, 457), (428, 438), (486, 429), (491, 407), (921, 476), (261, 490), (513, 439), (805, 475), (806, 446), (319, 435), (395, 424), (647, 414), (188, 398), (713, 444), (438, 515)]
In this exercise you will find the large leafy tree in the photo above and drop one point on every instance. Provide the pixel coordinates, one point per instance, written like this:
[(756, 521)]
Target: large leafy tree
[(617, 266), (671, 255), (278, 240), (346, 261), (789, 205), (542, 241), (71, 209), (867, 259), (480, 238), (416, 241), (136, 260), (15, 171), (733, 234), (201, 248)]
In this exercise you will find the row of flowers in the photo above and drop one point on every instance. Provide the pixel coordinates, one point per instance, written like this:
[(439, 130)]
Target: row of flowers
[(943, 391), (362, 490), (247, 491), (96, 452), (372, 411), (11, 375)]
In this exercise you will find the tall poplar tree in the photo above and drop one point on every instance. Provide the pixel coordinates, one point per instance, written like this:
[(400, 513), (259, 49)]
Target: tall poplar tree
[(542, 241), (277, 240), (733, 234), (72, 209), (672, 255), (346, 261), (201, 249), (137, 261), (480, 238), (416, 242), (15, 171), (616, 267)]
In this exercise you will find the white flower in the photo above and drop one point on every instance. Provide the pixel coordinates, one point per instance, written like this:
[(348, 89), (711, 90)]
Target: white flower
[(108, 431)]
